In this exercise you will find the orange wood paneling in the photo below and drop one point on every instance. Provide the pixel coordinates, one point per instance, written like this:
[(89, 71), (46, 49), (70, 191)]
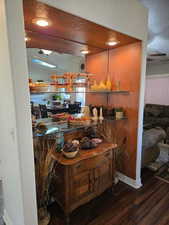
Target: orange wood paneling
[(44, 41), (124, 66), (67, 27)]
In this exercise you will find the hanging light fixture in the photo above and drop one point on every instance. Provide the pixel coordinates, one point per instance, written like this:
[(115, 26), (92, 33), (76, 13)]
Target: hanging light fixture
[(108, 81)]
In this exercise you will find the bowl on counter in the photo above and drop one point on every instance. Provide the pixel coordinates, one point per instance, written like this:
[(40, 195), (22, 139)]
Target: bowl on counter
[(70, 155), (71, 149)]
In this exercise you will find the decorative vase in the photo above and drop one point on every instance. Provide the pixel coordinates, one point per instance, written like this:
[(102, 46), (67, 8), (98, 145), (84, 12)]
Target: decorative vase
[(101, 114), (43, 216), (44, 173), (95, 114), (102, 86), (108, 84), (118, 85), (94, 87)]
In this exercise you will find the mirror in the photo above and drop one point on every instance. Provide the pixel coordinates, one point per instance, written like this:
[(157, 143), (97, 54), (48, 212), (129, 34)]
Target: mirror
[(42, 64)]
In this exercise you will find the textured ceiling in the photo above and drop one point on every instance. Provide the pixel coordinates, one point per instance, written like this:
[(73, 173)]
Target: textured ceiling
[(158, 40)]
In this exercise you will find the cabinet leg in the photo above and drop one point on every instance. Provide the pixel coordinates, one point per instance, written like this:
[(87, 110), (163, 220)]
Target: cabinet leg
[(67, 220)]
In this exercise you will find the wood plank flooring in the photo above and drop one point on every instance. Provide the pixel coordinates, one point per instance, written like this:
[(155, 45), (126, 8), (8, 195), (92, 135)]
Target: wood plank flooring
[(125, 206)]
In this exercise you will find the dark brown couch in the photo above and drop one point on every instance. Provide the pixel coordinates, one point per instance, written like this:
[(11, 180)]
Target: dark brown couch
[(156, 116), (156, 123)]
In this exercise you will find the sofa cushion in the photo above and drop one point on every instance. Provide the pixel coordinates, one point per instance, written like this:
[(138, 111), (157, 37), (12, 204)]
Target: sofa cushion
[(166, 111), (153, 110)]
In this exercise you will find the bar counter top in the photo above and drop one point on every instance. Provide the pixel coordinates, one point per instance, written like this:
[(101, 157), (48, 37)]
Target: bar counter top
[(83, 154), (58, 127)]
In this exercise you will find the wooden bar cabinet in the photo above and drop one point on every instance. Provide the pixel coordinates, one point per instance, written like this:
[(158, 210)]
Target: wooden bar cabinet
[(79, 180)]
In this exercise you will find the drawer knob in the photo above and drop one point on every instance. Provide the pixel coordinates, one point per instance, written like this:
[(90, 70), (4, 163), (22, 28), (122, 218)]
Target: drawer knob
[(78, 166)]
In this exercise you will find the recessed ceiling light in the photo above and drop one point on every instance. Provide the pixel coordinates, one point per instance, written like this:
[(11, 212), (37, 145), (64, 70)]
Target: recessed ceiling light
[(46, 52), (84, 52), (112, 43), (27, 39), (41, 22)]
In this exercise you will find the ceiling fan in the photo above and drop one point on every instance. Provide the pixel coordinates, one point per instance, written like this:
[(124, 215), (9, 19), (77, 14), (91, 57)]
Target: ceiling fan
[(157, 57)]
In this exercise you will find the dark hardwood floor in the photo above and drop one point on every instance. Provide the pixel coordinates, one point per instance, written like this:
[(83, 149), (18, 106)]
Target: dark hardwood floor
[(126, 206)]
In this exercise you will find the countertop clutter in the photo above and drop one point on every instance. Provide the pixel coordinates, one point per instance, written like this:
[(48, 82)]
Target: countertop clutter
[(67, 81), (71, 81), (66, 122)]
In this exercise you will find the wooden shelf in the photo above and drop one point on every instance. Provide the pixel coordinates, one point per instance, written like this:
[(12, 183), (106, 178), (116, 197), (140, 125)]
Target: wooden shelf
[(86, 92), (114, 119), (109, 92)]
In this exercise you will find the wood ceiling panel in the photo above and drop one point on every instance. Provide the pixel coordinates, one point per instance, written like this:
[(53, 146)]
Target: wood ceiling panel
[(69, 27), (41, 41)]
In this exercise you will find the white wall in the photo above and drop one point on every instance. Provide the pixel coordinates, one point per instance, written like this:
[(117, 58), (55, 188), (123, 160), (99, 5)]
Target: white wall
[(157, 89), (15, 136), (128, 17), (157, 68)]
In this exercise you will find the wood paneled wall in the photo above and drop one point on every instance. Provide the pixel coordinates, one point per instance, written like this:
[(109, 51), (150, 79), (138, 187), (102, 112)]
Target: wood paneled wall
[(124, 66)]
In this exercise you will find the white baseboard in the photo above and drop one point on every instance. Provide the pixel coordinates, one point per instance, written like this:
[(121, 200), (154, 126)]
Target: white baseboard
[(127, 180), (6, 218)]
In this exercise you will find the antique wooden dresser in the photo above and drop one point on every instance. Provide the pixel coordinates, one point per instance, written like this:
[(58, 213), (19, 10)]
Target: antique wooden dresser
[(79, 180)]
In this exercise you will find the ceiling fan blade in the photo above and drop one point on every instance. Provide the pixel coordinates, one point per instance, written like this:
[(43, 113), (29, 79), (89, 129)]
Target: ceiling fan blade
[(158, 54)]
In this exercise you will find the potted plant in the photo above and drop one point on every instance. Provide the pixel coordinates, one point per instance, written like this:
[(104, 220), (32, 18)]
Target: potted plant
[(119, 113), (57, 97)]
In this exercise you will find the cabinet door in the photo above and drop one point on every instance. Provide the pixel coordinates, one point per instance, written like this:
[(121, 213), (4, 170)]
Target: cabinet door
[(103, 173), (58, 185), (82, 188)]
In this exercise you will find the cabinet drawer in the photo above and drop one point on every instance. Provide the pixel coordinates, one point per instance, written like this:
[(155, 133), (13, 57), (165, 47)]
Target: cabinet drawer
[(79, 167), (90, 163), (108, 154)]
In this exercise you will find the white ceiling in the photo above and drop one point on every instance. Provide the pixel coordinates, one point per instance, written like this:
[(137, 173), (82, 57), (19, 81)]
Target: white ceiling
[(158, 40)]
